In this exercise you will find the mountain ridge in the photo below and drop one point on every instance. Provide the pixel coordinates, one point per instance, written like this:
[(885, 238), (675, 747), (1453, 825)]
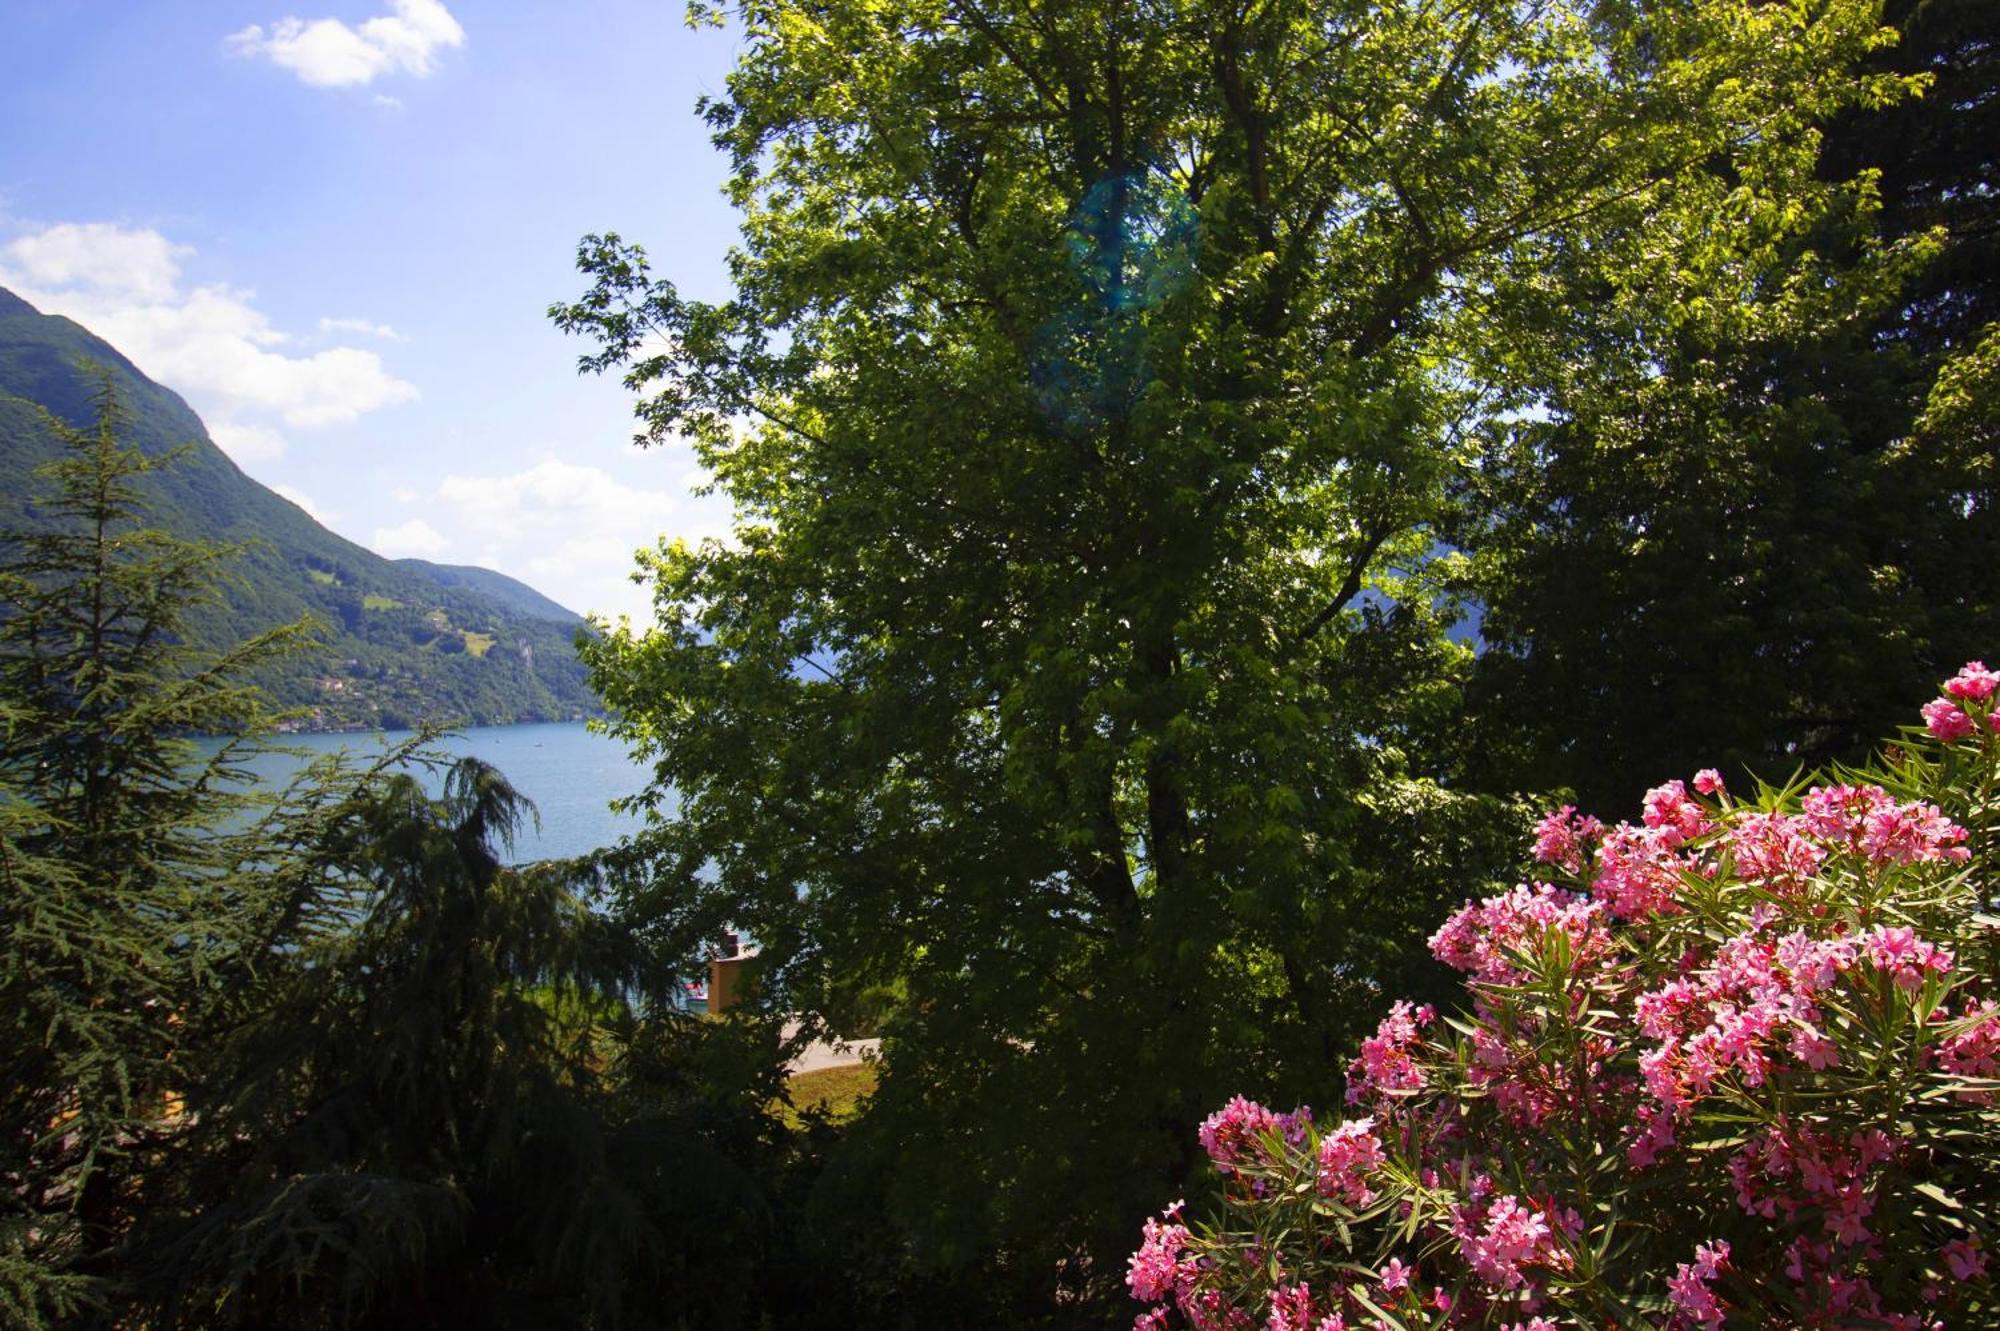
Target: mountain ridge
[(407, 641)]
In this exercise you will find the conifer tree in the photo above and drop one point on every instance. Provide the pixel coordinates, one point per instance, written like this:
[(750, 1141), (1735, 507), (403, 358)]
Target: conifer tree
[(122, 904)]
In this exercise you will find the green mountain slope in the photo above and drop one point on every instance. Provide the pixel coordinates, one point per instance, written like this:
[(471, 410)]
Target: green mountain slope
[(519, 597), (406, 640)]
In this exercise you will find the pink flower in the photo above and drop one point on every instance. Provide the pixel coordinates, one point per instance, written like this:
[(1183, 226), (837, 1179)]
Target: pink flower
[(1156, 1267), (1974, 1051), (1813, 964), (1838, 815), (1905, 956), (1914, 833), (1478, 937), (1396, 1276), (1813, 1049), (1291, 1309), (1689, 1286), (1346, 1156), (1708, 781), (1975, 683), (1639, 871), (1656, 1134), (1231, 1134), (1514, 1235), (1966, 1258), (1388, 1062), (1669, 809), (1562, 838), (1771, 849), (1945, 721)]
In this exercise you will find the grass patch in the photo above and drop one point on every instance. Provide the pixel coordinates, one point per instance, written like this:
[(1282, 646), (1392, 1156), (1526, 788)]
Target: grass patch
[(478, 643), (370, 601), (838, 1091), (322, 577)]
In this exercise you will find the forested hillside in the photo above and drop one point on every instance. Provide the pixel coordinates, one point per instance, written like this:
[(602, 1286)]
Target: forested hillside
[(405, 640)]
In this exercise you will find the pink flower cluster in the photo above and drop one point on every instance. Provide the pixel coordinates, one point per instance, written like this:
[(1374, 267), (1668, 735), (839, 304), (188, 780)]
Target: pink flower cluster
[(1690, 1290), (1899, 953), (1947, 718), (1972, 1050), (1779, 1018), (1773, 851), (1670, 812), (1233, 1134), (1566, 839), (1866, 820), (1347, 1156), (1639, 870), (1388, 1064), (1789, 1170), (1479, 938), (1155, 1270), (1501, 1238)]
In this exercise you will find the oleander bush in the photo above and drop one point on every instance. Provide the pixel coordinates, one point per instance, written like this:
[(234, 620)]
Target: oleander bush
[(1732, 1065)]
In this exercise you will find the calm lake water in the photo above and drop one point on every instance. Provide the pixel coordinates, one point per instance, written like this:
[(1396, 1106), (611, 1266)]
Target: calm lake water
[(571, 775)]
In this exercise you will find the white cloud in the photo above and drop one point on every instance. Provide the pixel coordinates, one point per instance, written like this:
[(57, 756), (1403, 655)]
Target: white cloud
[(367, 326), (139, 265), (571, 530), (323, 517), (247, 443), (209, 342), (415, 537), (403, 494), (326, 53), (554, 493)]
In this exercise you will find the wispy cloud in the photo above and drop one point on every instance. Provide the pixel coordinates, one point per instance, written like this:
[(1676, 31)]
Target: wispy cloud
[(582, 524), (415, 538), (327, 53), (324, 517), (369, 327), (209, 342)]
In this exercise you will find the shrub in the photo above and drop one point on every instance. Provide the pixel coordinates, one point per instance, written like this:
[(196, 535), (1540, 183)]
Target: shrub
[(1731, 1065)]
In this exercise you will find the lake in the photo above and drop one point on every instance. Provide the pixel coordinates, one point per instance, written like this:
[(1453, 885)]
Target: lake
[(569, 773)]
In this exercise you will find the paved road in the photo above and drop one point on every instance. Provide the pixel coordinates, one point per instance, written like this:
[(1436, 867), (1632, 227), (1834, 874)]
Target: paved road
[(830, 1053)]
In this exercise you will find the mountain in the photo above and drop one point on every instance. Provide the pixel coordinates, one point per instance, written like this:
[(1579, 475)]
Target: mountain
[(406, 640), (503, 590)]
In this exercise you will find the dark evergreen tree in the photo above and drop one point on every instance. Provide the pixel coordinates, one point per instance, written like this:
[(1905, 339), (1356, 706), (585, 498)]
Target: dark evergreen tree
[(125, 909), (315, 1056), (455, 1108)]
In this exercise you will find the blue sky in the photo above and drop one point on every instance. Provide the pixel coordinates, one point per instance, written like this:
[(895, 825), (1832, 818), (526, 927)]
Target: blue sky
[(335, 226)]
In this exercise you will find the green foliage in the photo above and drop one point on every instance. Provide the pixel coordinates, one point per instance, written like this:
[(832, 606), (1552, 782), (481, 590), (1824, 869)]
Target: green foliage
[(124, 908), (368, 672), (402, 1130), (312, 1056), (1091, 397), (1751, 496)]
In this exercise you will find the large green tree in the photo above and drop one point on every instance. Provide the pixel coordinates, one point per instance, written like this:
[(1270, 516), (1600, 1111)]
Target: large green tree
[(1757, 503), (1081, 674)]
